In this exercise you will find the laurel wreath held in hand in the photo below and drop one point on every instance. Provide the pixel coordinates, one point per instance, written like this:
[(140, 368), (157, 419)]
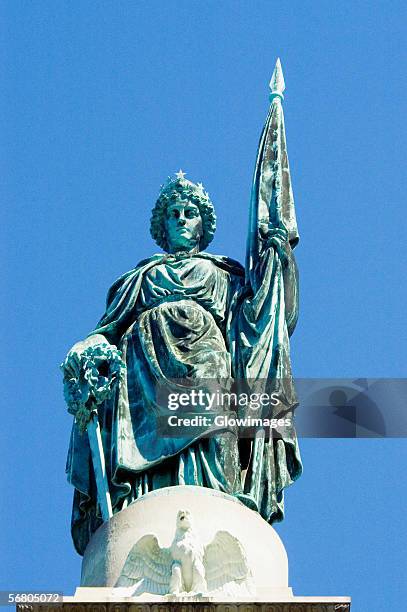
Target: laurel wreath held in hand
[(100, 370)]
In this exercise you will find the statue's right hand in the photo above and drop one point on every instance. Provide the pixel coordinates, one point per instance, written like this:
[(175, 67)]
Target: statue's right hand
[(72, 363)]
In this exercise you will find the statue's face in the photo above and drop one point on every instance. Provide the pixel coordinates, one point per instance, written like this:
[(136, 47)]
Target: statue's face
[(183, 226)]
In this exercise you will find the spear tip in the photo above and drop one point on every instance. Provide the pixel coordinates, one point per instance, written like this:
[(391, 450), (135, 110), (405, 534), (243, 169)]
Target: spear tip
[(277, 84)]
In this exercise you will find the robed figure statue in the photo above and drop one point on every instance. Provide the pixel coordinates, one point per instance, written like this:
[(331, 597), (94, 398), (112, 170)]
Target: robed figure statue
[(187, 314)]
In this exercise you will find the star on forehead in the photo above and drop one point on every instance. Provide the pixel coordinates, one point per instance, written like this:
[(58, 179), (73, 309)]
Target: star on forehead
[(180, 175)]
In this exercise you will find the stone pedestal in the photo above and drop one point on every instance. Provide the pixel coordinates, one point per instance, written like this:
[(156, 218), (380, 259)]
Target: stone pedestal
[(212, 511)]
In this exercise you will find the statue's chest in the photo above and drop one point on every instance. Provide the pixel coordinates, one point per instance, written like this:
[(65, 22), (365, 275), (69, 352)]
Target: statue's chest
[(196, 279), (183, 274)]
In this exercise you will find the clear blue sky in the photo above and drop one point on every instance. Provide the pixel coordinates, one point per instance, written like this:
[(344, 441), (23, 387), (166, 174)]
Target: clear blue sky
[(100, 101)]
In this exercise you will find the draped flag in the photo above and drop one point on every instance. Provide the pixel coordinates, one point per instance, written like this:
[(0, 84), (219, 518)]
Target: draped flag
[(272, 200), (269, 312)]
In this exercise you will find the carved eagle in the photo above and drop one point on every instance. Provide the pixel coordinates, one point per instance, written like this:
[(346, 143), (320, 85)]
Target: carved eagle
[(187, 566)]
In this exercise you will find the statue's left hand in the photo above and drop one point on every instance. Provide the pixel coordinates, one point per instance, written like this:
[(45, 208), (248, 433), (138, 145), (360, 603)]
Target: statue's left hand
[(277, 237)]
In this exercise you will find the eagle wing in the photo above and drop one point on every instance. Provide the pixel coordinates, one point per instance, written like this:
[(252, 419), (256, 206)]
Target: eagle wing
[(225, 561), (147, 567)]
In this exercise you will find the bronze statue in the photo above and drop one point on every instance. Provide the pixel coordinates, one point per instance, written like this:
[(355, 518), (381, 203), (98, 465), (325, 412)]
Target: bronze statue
[(187, 314)]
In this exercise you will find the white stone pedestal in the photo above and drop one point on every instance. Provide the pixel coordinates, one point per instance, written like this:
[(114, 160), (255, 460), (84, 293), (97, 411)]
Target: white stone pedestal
[(212, 511)]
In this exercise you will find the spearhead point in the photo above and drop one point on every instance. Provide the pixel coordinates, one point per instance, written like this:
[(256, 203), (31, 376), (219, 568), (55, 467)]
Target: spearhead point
[(277, 84)]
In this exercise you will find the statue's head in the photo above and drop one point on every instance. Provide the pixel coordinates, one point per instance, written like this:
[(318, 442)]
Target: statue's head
[(183, 217)]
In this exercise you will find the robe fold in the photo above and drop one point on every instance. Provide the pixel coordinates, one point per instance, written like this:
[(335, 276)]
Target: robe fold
[(191, 318)]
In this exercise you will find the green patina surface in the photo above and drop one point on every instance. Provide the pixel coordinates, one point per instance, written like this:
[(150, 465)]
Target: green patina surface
[(187, 314)]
